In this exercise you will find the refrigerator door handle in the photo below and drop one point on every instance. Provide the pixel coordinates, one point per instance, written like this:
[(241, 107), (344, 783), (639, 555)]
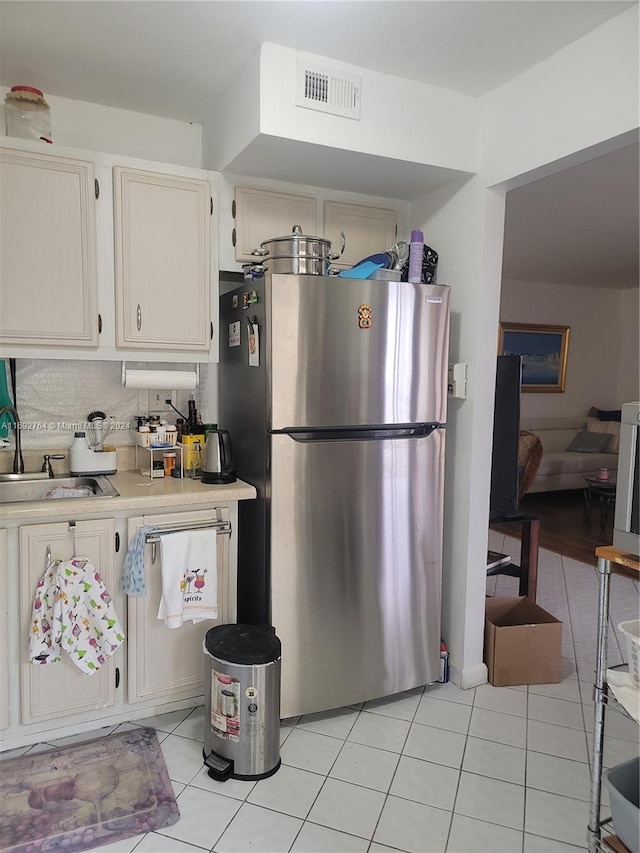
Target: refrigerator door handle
[(358, 433)]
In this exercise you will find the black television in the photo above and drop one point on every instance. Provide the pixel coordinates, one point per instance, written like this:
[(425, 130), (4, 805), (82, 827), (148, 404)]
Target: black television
[(506, 433)]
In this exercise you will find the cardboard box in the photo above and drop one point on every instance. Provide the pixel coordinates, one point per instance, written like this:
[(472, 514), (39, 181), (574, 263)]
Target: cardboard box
[(522, 642)]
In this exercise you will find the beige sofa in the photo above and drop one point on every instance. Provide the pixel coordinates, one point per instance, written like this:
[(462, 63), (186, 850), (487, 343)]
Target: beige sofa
[(563, 469)]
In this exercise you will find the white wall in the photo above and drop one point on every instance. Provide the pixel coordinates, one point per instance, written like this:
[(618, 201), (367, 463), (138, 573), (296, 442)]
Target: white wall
[(429, 125), (628, 387), (96, 127), (464, 224), (235, 118), (598, 327), (580, 97), (583, 97)]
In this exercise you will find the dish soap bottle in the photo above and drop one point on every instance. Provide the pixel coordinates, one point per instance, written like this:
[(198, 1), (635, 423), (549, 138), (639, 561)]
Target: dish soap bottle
[(79, 458)]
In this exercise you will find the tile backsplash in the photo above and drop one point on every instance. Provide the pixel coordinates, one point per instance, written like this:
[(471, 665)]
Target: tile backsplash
[(54, 398)]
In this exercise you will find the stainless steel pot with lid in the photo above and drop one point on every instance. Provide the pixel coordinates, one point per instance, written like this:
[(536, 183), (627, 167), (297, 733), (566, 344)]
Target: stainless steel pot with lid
[(299, 253)]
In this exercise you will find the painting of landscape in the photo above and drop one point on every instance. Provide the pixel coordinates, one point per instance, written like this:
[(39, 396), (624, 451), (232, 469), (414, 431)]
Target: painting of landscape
[(544, 354)]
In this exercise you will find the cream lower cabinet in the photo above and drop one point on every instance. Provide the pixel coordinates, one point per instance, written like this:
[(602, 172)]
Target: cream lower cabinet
[(58, 690), (367, 230), (4, 632), (47, 251), (166, 663), (162, 228)]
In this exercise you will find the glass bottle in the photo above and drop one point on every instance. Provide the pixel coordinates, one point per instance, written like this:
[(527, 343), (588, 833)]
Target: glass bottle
[(27, 114), (189, 427)]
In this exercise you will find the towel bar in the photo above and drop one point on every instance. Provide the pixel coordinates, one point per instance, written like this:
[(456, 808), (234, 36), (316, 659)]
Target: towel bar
[(222, 527)]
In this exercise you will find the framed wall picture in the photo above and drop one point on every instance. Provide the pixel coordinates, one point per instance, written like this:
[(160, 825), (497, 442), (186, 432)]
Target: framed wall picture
[(544, 354)]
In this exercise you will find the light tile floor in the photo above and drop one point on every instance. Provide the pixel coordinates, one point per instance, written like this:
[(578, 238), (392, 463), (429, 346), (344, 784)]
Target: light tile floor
[(488, 770)]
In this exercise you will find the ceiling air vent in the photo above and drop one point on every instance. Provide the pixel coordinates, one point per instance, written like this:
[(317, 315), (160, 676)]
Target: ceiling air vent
[(328, 90)]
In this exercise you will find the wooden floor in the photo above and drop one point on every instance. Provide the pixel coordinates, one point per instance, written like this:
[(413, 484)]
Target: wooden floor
[(564, 529)]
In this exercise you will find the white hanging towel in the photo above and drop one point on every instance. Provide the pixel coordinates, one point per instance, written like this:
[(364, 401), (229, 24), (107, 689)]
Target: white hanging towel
[(189, 577)]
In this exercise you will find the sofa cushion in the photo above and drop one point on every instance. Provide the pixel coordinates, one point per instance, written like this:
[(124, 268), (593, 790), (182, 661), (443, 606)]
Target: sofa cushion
[(611, 428), (605, 414), (536, 424), (589, 442), (574, 463), (556, 440)]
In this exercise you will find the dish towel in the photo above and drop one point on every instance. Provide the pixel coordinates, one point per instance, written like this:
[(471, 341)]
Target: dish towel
[(72, 611), (189, 577), (132, 580)]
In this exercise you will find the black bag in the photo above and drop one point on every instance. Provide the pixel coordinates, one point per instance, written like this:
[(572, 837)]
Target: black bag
[(429, 264)]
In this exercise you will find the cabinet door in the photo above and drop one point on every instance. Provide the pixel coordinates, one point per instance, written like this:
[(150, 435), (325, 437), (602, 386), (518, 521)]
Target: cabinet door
[(168, 663), (162, 241), (4, 633), (262, 214), (367, 230), (60, 690), (47, 250)]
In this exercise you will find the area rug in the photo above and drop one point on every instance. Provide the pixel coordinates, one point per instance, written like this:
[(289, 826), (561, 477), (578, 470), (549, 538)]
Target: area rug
[(86, 795)]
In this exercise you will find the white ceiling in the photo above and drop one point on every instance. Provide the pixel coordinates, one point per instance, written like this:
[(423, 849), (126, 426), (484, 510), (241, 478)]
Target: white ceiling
[(580, 226), (173, 59)]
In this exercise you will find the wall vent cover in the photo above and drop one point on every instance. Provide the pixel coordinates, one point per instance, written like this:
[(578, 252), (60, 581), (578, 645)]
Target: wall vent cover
[(319, 87)]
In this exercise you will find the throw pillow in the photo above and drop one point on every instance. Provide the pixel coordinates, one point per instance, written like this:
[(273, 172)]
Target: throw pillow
[(589, 442), (611, 428), (612, 415)]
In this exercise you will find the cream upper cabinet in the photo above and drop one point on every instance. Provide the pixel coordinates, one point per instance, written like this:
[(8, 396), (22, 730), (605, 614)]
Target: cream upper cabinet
[(168, 663), (4, 632), (263, 214), (47, 251), (57, 690), (367, 230), (162, 230)]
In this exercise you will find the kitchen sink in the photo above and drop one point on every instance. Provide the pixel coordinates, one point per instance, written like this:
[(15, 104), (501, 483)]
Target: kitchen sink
[(17, 488)]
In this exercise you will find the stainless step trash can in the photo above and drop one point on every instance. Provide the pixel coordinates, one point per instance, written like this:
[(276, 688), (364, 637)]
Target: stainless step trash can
[(242, 702)]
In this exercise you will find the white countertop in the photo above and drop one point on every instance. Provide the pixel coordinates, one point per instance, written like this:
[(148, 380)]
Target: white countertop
[(137, 493)]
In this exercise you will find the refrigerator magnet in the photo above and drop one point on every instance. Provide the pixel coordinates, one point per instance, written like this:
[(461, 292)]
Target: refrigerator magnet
[(253, 342), (365, 321), (234, 334)]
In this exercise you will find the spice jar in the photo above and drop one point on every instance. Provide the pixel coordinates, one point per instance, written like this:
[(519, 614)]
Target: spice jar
[(169, 460), (27, 114)]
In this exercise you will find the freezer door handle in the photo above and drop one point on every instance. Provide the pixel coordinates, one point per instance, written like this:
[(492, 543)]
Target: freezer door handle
[(373, 433)]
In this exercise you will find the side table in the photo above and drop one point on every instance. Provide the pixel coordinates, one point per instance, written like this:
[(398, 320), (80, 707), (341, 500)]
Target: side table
[(604, 491), (527, 571)]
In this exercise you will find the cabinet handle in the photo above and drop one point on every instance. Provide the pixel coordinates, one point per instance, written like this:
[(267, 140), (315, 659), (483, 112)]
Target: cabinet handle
[(138, 317), (211, 208), (211, 330), (117, 541), (99, 324), (117, 677), (96, 187), (233, 237), (233, 208)]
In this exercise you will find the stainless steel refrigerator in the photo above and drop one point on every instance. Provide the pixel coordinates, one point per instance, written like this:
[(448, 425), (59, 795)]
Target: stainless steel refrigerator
[(337, 418)]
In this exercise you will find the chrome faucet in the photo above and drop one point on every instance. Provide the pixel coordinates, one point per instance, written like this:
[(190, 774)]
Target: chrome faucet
[(47, 468), (18, 462)]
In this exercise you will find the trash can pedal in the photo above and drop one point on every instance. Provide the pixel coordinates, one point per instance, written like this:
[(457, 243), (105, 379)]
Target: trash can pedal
[(218, 768)]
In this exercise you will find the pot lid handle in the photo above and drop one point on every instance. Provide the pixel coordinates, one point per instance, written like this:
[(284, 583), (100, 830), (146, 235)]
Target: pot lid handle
[(296, 231)]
